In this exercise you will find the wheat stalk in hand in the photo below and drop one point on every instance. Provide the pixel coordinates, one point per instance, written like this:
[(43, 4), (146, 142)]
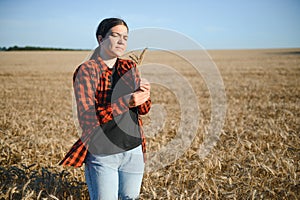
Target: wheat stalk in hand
[(138, 59)]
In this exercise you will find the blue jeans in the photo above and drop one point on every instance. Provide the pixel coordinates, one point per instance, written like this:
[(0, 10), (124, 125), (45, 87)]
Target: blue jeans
[(110, 177)]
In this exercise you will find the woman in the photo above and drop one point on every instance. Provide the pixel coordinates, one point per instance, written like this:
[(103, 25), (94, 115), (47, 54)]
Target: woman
[(110, 96)]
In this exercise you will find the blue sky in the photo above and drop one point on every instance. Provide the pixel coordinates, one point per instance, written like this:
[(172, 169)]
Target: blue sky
[(230, 24)]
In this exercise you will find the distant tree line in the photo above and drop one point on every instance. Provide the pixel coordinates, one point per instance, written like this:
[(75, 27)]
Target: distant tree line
[(32, 48)]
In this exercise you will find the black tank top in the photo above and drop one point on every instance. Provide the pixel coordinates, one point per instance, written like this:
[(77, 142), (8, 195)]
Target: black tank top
[(122, 133)]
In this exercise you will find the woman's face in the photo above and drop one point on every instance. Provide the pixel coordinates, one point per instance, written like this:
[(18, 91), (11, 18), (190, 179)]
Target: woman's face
[(115, 42)]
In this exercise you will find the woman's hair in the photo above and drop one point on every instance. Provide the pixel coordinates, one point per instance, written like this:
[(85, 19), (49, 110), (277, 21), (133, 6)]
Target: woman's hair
[(106, 24)]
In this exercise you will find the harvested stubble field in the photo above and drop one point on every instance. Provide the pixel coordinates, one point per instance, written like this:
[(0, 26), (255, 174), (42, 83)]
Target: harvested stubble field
[(256, 157)]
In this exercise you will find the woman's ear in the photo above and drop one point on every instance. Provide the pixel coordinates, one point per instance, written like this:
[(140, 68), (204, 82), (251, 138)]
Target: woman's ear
[(99, 39)]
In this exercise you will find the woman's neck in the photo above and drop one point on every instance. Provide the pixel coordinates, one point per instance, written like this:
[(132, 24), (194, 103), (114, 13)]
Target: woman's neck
[(108, 60)]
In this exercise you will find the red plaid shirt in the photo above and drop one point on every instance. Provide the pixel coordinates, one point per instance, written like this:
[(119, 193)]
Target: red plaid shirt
[(91, 82)]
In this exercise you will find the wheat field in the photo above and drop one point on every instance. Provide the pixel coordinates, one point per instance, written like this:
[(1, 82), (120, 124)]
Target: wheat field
[(256, 157)]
